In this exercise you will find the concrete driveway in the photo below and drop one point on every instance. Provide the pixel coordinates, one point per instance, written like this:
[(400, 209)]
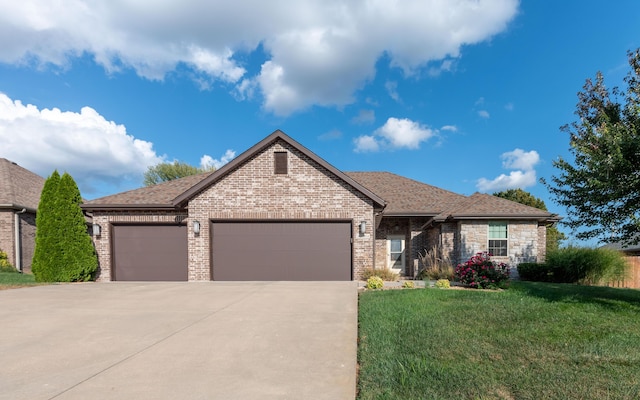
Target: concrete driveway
[(209, 340)]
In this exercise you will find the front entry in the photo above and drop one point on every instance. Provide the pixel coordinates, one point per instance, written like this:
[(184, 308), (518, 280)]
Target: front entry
[(396, 254)]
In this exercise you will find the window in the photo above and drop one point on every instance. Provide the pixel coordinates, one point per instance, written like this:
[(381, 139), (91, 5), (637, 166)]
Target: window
[(280, 162), (498, 239)]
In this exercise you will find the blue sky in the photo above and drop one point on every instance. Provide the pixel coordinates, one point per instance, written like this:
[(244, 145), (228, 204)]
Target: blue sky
[(465, 95)]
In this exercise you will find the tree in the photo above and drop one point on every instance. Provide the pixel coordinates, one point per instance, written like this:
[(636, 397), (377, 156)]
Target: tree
[(169, 171), (600, 188), (554, 236), (64, 251), (78, 261), (46, 232)]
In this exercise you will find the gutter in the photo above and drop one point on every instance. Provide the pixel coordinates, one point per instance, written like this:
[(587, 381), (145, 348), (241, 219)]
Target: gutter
[(18, 241), (108, 207)]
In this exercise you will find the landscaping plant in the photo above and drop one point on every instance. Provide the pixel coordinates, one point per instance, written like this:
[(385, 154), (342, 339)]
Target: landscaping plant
[(64, 251), (443, 284), (5, 265), (436, 264), (375, 282), (480, 272), (385, 274)]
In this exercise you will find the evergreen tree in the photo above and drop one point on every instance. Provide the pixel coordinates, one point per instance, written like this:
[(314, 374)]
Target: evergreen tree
[(64, 251), (46, 251), (78, 260)]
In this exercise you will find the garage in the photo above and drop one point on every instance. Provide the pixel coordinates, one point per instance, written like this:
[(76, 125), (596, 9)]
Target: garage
[(150, 252), (281, 251)]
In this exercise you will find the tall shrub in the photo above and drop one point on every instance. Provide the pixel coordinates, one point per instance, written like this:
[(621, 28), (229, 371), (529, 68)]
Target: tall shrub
[(586, 266), (77, 259), (64, 252), (46, 249)]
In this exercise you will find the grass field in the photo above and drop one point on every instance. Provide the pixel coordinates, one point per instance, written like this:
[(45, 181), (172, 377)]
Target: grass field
[(10, 280), (532, 341)]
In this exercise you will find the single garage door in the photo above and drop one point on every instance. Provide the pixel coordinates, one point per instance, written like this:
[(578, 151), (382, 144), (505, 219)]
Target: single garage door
[(150, 252), (281, 251)]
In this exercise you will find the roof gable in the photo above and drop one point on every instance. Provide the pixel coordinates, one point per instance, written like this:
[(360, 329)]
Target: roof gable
[(257, 148), (19, 187)]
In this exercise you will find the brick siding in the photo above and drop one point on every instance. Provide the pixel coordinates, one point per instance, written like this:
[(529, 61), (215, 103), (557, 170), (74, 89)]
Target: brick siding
[(253, 191), (106, 218), (7, 235)]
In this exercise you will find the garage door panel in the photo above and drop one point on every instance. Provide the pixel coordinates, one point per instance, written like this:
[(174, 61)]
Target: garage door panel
[(295, 251), (150, 252)]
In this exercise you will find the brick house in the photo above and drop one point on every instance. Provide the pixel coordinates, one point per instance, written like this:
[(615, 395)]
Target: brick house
[(19, 197), (280, 212)]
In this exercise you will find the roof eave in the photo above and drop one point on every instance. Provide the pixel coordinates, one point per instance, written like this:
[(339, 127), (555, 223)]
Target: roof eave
[(17, 207), (116, 207), (408, 214), (538, 217)]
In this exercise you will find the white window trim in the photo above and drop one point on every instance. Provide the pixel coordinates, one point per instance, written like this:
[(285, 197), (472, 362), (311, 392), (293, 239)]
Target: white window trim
[(489, 238), (404, 253)]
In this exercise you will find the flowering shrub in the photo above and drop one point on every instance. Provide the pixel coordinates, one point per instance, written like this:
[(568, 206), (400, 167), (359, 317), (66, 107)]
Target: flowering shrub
[(481, 273), (443, 284), (375, 282)]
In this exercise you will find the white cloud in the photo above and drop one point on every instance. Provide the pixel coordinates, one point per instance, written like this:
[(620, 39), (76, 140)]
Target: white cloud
[(520, 159), (515, 179), (207, 161), (86, 145), (484, 114), (392, 90), (331, 135), (450, 128), (316, 52), (366, 144), (395, 134), (524, 174)]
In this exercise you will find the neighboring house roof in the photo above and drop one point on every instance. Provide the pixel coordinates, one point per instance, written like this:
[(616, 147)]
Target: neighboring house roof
[(632, 248), (19, 187), (404, 196)]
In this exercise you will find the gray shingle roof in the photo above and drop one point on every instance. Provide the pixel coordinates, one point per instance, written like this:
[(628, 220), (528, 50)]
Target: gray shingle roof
[(404, 195), (484, 205), (18, 186), (160, 194)]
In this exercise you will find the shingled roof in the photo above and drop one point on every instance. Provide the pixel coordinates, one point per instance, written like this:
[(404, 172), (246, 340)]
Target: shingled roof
[(19, 187), (481, 205), (405, 196), (150, 197)]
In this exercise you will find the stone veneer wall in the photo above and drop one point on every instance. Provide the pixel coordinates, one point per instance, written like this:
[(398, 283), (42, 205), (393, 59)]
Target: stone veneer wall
[(523, 237), (252, 191), (106, 218)]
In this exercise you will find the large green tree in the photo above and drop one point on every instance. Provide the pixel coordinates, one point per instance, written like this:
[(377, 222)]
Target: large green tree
[(64, 251), (46, 247), (601, 187), (169, 171), (554, 236)]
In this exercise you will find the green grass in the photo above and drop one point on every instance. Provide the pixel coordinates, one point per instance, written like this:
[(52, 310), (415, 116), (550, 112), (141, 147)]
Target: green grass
[(533, 341), (10, 280)]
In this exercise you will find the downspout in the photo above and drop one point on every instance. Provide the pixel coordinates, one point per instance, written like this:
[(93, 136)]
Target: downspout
[(18, 240)]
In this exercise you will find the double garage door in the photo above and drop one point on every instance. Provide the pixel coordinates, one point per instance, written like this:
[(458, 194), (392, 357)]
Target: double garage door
[(240, 251)]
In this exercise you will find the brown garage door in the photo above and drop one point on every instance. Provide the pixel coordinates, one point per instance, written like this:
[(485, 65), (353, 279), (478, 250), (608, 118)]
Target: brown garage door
[(150, 252), (281, 251)]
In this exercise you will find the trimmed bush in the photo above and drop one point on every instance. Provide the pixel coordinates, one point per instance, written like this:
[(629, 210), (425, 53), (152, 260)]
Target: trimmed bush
[(408, 285), (5, 265), (384, 273), (443, 284), (375, 282), (586, 266), (480, 272), (536, 272)]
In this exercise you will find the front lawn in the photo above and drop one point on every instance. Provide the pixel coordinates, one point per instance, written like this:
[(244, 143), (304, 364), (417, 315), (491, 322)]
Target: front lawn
[(10, 280), (532, 341)]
